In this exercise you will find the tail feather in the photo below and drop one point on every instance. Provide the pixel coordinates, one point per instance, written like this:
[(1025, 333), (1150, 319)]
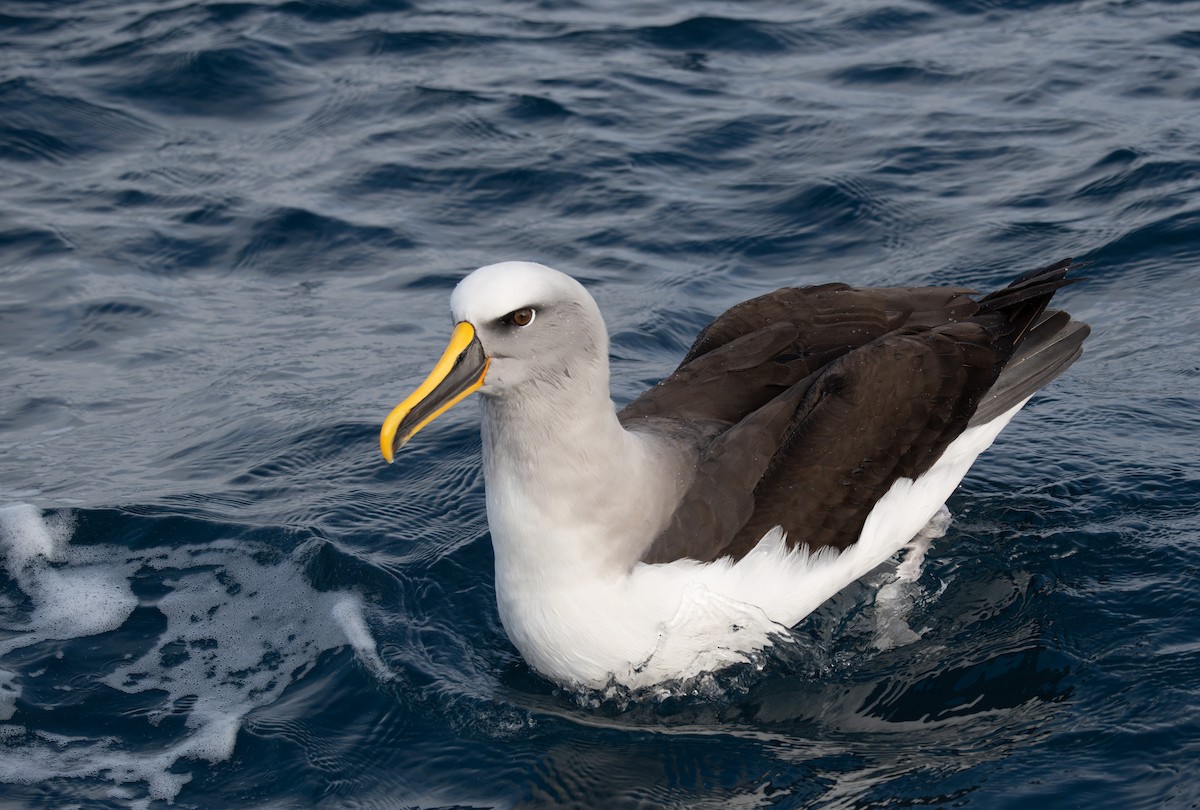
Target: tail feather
[(1022, 302), (1043, 343)]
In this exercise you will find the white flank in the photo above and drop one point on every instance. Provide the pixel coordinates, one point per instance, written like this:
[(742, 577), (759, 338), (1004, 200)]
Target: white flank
[(578, 625)]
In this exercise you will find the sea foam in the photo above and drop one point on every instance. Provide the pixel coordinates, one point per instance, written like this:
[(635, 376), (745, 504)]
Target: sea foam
[(242, 624)]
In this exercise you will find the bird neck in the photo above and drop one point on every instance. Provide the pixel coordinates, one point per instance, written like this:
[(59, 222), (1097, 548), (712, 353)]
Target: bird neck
[(569, 491)]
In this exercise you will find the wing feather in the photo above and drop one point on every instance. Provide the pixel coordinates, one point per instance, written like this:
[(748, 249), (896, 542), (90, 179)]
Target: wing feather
[(815, 401)]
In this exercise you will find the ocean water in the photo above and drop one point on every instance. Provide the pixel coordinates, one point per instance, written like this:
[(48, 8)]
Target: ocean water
[(228, 233)]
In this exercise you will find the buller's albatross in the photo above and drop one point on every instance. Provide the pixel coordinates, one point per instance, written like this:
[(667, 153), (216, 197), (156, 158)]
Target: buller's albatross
[(806, 437)]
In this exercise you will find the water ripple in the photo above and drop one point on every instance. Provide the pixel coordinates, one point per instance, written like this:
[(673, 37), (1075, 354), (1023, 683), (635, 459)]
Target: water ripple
[(227, 236)]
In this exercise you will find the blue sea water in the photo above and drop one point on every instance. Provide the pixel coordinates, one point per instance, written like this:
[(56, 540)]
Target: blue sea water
[(228, 232)]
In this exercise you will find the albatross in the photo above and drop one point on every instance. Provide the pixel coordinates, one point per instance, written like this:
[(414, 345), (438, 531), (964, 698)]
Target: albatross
[(806, 437)]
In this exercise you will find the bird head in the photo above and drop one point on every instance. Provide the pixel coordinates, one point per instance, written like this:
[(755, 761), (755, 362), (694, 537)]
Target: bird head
[(516, 325)]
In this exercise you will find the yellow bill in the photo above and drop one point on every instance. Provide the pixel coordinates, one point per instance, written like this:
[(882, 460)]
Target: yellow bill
[(460, 372)]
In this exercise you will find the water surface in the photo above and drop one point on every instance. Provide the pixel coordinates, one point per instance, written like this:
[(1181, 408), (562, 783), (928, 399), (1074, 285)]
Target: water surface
[(228, 232)]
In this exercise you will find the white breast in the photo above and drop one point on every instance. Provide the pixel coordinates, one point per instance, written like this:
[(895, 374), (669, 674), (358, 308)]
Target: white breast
[(579, 624)]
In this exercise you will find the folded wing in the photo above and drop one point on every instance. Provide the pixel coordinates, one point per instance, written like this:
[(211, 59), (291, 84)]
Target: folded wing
[(805, 406)]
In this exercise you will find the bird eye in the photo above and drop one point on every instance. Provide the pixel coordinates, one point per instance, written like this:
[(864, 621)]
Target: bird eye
[(519, 317)]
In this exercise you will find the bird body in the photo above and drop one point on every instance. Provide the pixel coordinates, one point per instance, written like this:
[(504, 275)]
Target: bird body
[(807, 437)]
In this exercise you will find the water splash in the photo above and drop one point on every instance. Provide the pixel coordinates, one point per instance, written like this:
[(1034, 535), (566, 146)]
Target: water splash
[(242, 623)]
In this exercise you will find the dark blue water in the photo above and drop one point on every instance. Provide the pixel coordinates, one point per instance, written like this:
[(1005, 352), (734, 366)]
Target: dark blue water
[(228, 231)]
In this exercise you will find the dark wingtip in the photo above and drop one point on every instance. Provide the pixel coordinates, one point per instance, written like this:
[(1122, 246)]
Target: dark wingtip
[(1033, 285), (1024, 300)]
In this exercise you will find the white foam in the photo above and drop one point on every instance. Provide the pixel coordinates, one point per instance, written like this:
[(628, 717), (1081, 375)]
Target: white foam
[(27, 536), (239, 631), (68, 602), (348, 614), (10, 690)]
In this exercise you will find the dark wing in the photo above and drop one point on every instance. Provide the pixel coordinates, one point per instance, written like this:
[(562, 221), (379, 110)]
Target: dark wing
[(761, 347), (885, 412), (817, 458), (833, 315), (817, 455)]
